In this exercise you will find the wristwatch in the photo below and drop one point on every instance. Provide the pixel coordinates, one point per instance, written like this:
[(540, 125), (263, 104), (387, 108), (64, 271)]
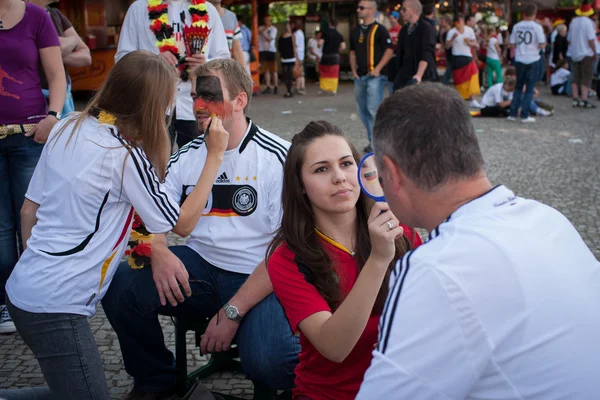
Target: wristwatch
[(232, 313), (55, 114)]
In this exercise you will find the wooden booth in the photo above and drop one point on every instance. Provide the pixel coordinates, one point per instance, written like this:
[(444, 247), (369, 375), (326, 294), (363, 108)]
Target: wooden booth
[(98, 22)]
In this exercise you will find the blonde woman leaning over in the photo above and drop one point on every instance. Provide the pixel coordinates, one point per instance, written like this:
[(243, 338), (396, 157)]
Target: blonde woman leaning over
[(95, 170)]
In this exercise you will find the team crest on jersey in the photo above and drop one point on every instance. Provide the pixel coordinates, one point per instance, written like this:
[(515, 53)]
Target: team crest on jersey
[(244, 200)]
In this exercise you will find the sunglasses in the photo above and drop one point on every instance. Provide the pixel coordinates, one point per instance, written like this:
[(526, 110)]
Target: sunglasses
[(361, 8)]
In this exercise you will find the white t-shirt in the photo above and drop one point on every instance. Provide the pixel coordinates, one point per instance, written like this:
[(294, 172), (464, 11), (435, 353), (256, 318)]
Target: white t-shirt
[(496, 94), (136, 35), (314, 45), (581, 31), (459, 47), (244, 206), (87, 193), (267, 45), (527, 35), (559, 77), (300, 45), (500, 303), (491, 50)]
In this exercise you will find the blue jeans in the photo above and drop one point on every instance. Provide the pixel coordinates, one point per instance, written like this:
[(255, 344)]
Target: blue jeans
[(67, 353), (368, 92), (268, 349), (18, 157), (527, 75), (448, 73), (69, 106)]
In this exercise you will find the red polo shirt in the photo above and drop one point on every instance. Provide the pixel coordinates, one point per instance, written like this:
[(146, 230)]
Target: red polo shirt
[(317, 377)]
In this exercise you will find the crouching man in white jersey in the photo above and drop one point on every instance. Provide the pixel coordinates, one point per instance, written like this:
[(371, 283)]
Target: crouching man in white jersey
[(223, 256), (502, 301)]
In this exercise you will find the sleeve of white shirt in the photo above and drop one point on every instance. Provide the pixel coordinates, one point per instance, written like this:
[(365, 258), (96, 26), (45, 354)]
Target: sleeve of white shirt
[(513, 37), (471, 34), (217, 44), (590, 31), (450, 34), (424, 352), (539, 33), (128, 38), (147, 195)]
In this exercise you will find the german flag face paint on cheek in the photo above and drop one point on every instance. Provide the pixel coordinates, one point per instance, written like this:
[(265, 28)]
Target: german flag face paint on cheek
[(210, 100)]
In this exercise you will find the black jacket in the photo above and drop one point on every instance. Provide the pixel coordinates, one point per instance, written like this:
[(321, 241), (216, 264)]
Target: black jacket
[(413, 48)]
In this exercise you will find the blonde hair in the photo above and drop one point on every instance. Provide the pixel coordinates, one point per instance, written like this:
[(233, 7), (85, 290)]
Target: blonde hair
[(237, 79), (139, 91)]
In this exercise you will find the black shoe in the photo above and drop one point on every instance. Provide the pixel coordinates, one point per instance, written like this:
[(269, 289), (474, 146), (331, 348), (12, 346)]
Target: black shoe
[(275, 91), (268, 90), (585, 104), (368, 149)]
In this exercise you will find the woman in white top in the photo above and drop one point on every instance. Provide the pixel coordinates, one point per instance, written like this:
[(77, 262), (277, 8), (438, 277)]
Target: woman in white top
[(97, 168), (461, 39), (493, 60), (299, 43)]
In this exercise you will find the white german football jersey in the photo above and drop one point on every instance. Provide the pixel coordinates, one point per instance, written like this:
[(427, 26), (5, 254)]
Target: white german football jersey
[(500, 303), (86, 188), (244, 207)]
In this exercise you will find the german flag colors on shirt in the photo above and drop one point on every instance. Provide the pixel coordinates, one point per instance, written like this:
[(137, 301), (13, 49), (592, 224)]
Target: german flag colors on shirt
[(369, 44)]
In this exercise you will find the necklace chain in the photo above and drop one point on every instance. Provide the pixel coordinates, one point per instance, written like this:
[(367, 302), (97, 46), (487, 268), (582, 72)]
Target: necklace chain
[(5, 14)]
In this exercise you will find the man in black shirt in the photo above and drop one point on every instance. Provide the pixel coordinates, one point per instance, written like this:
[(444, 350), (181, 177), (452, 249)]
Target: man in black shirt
[(416, 48), (370, 51), (329, 68)]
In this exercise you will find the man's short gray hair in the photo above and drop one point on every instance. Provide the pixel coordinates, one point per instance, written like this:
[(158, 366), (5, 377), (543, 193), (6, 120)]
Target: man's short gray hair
[(427, 131)]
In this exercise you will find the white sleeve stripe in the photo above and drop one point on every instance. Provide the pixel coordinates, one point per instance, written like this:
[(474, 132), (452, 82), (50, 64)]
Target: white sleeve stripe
[(172, 219), (389, 320), (270, 149), (155, 187), (272, 142)]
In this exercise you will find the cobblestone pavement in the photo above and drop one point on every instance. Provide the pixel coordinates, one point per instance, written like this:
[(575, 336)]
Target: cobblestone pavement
[(555, 161)]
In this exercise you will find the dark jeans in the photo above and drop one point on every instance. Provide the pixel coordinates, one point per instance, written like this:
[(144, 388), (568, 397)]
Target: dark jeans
[(527, 75), (67, 353), (18, 157), (268, 349), (288, 71)]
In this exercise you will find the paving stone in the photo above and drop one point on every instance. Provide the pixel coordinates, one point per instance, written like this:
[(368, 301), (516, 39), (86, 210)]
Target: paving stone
[(536, 161)]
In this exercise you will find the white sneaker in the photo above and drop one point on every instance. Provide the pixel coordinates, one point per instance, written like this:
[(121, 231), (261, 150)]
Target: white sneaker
[(528, 120), (512, 119), (475, 104), (6, 323), (543, 113)]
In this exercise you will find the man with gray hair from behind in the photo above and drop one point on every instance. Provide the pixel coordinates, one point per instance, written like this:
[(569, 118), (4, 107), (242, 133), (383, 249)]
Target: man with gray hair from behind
[(501, 302)]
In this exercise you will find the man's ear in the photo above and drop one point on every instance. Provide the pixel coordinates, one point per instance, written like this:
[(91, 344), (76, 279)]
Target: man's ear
[(394, 175), (241, 101)]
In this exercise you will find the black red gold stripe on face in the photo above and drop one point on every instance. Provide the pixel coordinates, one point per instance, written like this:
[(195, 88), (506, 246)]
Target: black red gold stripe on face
[(210, 99)]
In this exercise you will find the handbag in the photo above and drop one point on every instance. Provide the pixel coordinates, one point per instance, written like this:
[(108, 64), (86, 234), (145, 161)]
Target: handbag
[(298, 71)]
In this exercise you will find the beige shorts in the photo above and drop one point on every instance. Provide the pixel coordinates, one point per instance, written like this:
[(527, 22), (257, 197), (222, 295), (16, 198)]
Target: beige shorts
[(583, 71)]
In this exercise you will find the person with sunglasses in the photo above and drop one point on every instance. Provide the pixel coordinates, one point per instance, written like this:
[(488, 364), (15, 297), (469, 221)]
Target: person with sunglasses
[(370, 52)]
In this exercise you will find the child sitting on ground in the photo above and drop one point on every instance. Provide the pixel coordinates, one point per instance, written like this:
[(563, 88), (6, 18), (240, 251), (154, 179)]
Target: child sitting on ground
[(560, 78), (497, 99), (537, 107)]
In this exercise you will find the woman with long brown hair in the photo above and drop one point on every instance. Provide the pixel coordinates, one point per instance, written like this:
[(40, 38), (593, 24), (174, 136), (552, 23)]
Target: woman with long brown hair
[(330, 262), (97, 168)]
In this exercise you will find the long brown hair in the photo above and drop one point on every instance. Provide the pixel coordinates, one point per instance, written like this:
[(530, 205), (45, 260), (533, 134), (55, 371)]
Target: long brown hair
[(138, 91), (297, 228)]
